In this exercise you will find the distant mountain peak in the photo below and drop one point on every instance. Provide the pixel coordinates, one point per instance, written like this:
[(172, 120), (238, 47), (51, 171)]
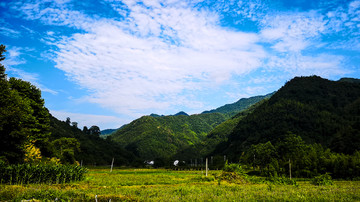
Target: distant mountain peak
[(350, 80), (155, 115), (181, 113)]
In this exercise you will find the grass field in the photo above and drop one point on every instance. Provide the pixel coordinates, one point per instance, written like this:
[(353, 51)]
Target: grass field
[(163, 185)]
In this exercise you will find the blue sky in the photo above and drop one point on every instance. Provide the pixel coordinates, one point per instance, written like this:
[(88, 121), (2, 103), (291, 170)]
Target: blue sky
[(107, 62)]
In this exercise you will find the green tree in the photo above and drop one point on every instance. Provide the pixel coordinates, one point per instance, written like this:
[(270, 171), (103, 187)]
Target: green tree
[(29, 92), (85, 130), (2, 68), (65, 148), (68, 120), (15, 116), (292, 150), (23, 117), (94, 130), (262, 155)]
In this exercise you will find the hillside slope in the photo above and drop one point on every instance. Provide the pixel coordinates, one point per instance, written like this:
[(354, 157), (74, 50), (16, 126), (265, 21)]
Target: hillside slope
[(240, 105), (318, 110), (161, 137), (180, 136)]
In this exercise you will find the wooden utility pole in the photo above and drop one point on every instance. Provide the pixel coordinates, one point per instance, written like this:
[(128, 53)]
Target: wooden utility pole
[(254, 163), (112, 164), (206, 167), (290, 168)]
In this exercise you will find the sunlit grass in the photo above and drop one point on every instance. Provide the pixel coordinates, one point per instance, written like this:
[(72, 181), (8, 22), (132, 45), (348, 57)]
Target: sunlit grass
[(163, 185)]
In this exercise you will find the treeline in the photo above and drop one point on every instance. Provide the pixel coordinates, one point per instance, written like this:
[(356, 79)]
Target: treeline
[(292, 156), (93, 150), (31, 135)]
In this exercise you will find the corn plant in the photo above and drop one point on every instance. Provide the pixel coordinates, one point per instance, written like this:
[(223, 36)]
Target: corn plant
[(40, 173)]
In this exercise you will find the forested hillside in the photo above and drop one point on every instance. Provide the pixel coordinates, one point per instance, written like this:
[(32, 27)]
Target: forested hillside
[(161, 137), (316, 109), (305, 117), (232, 109), (182, 136), (217, 136)]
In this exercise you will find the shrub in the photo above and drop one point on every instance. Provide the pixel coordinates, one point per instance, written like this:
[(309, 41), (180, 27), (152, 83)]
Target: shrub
[(233, 173), (235, 168), (232, 177), (324, 179)]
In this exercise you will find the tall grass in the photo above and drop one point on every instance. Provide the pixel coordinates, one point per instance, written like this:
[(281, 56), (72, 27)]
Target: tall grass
[(164, 185), (40, 173)]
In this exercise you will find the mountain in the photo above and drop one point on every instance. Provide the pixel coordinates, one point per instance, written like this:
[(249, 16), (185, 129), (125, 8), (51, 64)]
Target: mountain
[(156, 115), (107, 131), (350, 80), (181, 113), (162, 137), (217, 136), (318, 110), (240, 105), (179, 135)]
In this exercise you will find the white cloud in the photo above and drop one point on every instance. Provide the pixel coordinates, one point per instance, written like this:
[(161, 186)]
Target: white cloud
[(324, 65), (90, 119), (13, 59), (151, 59), (9, 32), (293, 31), (161, 53)]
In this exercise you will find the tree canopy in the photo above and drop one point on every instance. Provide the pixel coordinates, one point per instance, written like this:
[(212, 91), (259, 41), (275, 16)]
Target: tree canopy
[(23, 116)]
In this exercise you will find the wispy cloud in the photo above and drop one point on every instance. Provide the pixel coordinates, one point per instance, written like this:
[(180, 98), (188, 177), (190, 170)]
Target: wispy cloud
[(89, 119), (155, 55), (13, 59), (158, 54), (293, 32), (9, 32)]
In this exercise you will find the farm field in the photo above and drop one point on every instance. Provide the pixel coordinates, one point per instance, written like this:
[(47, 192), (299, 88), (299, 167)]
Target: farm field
[(164, 185)]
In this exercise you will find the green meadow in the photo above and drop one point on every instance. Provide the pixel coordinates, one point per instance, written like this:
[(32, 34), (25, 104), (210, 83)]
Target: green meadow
[(169, 185)]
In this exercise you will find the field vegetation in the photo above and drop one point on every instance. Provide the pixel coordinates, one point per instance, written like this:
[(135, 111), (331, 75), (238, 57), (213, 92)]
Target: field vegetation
[(170, 185)]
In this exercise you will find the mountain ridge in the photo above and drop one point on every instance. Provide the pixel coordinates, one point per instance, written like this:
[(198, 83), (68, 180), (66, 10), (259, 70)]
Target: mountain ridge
[(316, 109), (174, 133), (239, 105)]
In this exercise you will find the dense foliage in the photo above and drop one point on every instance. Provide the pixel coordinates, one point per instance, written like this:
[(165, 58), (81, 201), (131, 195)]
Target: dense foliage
[(323, 114), (217, 136), (92, 149), (318, 110), (23, 118), (293, 155)]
